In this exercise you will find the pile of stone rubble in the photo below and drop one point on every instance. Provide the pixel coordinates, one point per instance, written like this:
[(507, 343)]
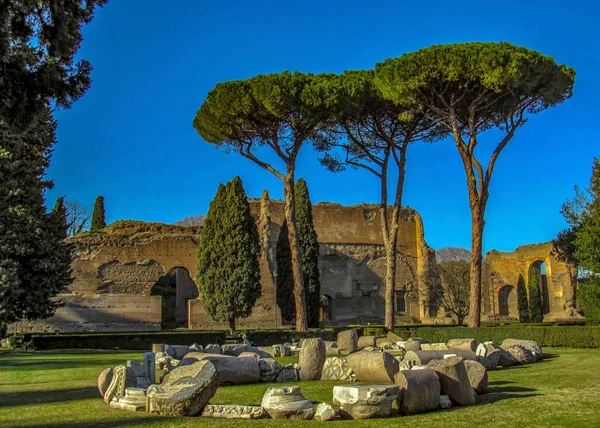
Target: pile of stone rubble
[(419, 376)]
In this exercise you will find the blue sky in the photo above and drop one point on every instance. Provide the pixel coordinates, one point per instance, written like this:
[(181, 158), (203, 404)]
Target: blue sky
[(130, 138)]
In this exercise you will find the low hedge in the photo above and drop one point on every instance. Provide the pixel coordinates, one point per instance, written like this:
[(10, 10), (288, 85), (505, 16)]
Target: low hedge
[(557, 336), (131, 341), (273, 337)]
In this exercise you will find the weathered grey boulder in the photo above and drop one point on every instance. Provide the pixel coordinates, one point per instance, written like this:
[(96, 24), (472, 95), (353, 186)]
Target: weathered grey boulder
[(406, 365), (364, 401), (184, 391), (521, 354), (464, 344), (336, 368), (136, 366), (347, 341), (311, 360), (269, 369), (287, 403), (230, 370), (530, 345), (177, 351), (235, 349), (421, 358), (419, 391), (325, 413), (232, 411), (149, 366), (266, 351), (454, 381), (365, 341), (287, 374), (376, 367), (477, 374)]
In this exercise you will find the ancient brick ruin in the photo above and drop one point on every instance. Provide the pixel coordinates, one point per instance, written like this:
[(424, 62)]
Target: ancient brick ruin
[(140, 276)]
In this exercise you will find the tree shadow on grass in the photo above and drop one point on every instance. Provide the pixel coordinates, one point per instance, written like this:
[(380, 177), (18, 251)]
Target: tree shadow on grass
[(499, 393), (124, 422), (24, 398)]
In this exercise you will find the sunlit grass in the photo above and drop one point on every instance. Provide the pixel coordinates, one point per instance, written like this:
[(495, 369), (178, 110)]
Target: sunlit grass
[(58, 389)]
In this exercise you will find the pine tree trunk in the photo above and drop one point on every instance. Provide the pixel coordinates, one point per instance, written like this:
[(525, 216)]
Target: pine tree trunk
[(231, 325), (476, 264), (299, 294), (390, 275)]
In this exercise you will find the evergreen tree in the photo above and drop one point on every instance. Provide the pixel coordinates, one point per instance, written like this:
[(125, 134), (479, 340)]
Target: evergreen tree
[(535, 298), (285, 281), (522, 303), (228, 266), (98, 215), (309, 251), (580, 244), (38, 44)]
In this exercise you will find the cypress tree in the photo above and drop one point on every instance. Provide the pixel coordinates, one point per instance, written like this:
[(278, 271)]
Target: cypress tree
[(309, 249), (38, 44), (98, 216), (228, 266), (285, 281), (535, 299), (522, 303)]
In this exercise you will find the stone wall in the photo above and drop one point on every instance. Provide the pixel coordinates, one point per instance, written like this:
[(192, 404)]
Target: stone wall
[(501, 272), (132, 264)]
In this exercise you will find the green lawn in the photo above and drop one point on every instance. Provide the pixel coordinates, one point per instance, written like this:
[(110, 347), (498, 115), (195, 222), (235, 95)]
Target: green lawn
[(58, 389)]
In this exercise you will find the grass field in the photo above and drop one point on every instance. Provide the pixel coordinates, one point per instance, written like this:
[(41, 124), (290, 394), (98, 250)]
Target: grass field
[(58, 389)]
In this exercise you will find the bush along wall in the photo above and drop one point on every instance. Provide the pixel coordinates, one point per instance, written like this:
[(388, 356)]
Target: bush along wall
[(557, 336), (129, 341)]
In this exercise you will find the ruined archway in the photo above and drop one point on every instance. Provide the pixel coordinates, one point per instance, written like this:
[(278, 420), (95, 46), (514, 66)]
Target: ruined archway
[(540, 268), (176, 288), (507, 301)]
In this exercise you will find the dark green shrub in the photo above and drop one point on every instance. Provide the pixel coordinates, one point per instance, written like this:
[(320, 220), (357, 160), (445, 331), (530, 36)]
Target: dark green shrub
[(589, 296)]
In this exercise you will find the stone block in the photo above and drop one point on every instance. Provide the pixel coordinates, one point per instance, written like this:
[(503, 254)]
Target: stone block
[(177, 352), (464, 344), (477, 374), (445, 402), (347, 341), (325, 413), (454, 381), (287, 403), (287, 374), (364, 401), (232, 411), (376, 367), (419, 391), (235, 349), (521, 354), (230, 370), (331, 348), (530, 345), (365, 341), (134, 400), (394, 338), (421, 358), (184, 391), (434, 347), (336, 368), (269, 369), (121, 378), (149, 366), (312, 358)]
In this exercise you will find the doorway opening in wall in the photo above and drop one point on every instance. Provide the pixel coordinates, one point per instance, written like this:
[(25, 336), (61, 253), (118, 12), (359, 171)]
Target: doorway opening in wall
[(540, 268), (176, 288), (400, 301), (326, 308), (507, 301)]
